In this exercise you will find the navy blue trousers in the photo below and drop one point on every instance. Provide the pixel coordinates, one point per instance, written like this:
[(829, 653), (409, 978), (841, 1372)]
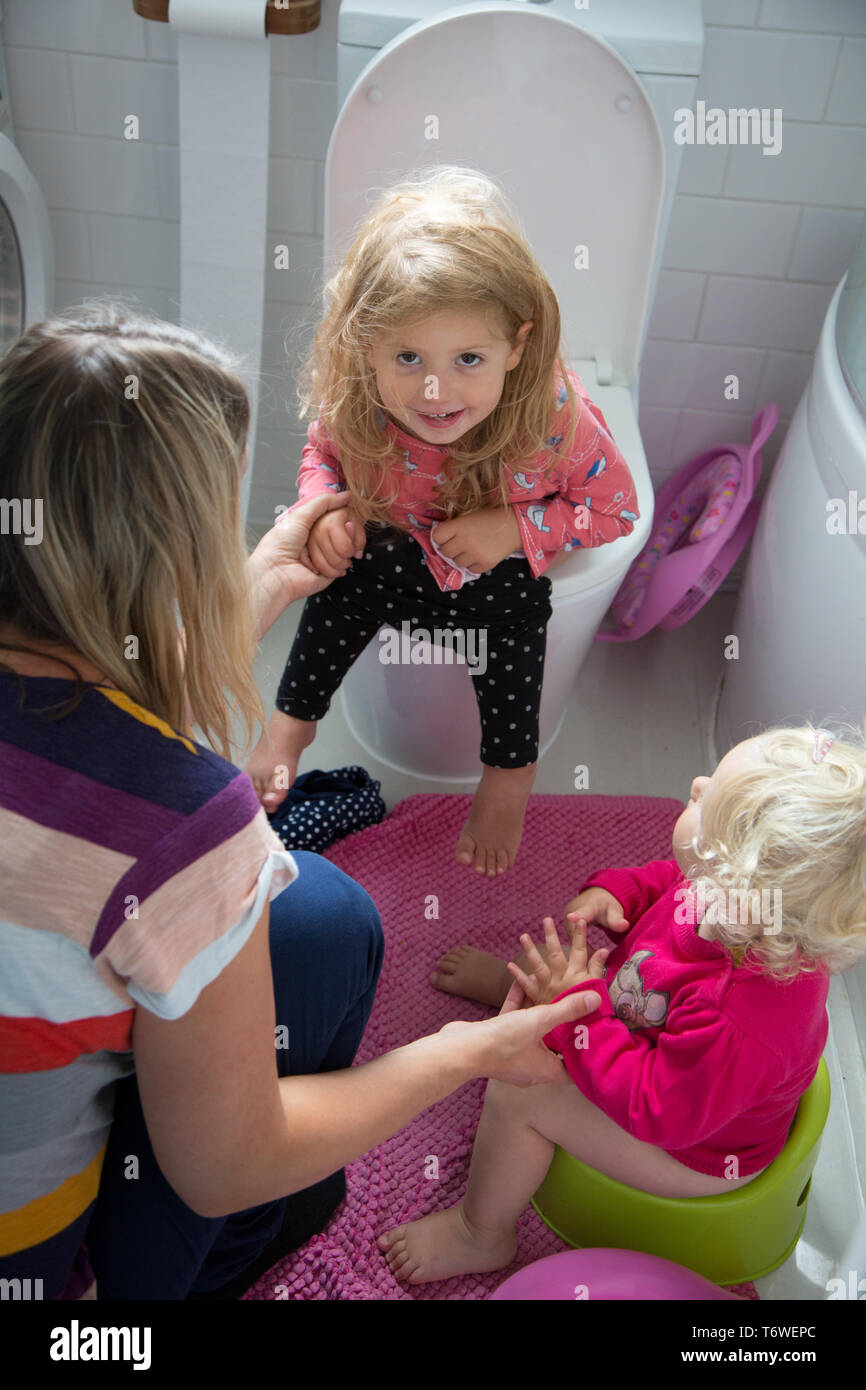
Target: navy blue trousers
[(327, 948)]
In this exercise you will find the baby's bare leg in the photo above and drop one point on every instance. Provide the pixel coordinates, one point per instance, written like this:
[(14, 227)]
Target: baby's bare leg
[(562, 1114), (513, 1147), (509, 1161)]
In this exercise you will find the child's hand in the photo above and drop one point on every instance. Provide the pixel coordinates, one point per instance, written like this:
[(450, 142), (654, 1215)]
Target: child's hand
[(479, 540), (550, 979), (279, 568), (597, 905), (334, 540)]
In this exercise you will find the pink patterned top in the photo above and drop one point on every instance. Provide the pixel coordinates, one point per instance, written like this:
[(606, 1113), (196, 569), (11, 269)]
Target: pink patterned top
[(588, 500)]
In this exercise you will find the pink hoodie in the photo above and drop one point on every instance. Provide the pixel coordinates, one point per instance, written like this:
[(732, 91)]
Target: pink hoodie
[(688, 1051)]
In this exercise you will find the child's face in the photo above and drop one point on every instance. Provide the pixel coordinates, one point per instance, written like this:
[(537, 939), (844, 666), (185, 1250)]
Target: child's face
[(449, 362), (703, 791)]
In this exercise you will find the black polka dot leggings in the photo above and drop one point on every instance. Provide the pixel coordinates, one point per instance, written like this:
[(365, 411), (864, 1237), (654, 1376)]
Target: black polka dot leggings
[(502, 615)]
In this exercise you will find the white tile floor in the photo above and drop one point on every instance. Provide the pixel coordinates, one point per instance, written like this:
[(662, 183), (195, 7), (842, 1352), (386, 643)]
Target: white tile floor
[(661, 690)]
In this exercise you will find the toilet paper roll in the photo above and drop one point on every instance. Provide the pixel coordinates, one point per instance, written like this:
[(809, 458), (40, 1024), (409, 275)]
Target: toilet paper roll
[(238, 19), (224, 88)]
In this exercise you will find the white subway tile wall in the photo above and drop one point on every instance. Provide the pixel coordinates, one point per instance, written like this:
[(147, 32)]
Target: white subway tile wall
[(756, 245)]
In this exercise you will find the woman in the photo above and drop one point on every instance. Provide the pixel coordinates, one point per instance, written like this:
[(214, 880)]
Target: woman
[(158, 946)]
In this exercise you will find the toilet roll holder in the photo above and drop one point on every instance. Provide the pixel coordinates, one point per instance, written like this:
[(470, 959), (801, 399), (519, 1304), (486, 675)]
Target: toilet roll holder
[(300, 17)]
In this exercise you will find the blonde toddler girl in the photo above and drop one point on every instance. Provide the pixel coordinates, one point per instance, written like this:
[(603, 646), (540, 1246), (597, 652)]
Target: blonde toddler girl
[(685, 1079), (472, 467)]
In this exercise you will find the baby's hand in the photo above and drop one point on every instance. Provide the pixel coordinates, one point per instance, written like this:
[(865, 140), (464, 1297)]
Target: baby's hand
[(479, 540), (597, 905), (334, 540), (550, 979)]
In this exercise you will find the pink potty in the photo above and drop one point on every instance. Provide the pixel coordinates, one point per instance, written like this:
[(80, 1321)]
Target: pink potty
[(608, 1275), (703, 517)]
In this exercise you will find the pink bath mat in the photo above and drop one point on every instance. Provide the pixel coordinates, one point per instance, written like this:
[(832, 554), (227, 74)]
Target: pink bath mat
[(428, 903)]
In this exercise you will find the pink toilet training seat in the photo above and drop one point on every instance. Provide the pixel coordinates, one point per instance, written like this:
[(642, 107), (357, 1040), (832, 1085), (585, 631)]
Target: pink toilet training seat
[(703, 517)]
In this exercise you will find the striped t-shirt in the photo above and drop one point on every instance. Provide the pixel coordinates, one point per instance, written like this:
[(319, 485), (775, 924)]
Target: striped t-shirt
[(134, 865)]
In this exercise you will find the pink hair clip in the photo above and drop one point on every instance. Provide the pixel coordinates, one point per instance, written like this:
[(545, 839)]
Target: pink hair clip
[(821, 752)]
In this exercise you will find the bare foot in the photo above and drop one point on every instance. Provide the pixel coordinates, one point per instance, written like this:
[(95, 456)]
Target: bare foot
[(472, 974), (442, 1245), (273, 766), (491, 836)]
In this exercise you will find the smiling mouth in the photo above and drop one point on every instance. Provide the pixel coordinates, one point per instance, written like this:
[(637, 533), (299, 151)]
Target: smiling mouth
[(446, 415)]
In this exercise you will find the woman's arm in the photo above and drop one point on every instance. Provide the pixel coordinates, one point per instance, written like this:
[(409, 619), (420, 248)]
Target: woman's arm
[(277, 575), (228, 1134), (275, 568)]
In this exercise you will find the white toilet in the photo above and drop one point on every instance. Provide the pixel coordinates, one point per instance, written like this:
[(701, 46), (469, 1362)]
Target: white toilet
[(581, 140)]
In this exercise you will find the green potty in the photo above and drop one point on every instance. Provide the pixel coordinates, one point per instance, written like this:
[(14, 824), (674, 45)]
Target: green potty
[(730, 1239)]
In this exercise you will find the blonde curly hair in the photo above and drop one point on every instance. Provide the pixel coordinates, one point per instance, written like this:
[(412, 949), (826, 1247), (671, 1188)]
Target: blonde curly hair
[(787, 824), (440, 240)]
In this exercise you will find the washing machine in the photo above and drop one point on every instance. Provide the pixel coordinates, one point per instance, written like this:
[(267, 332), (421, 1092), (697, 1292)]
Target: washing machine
[(26, 245)]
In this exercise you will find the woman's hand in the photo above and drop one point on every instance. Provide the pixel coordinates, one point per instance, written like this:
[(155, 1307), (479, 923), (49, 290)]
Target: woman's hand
[(480, 540), (278, 567), (549, 978), (515, 1052)]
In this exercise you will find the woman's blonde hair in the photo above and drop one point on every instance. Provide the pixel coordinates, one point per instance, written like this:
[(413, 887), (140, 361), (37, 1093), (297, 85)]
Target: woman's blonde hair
[(788, 824), (443, 239), (132, 432)]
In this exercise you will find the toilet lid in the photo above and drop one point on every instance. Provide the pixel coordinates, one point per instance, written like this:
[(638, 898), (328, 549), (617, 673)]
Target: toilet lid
[(26, 247), (556, 117)]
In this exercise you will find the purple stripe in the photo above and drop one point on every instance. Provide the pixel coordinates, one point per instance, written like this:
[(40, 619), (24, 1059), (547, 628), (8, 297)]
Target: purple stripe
[(221, 817), (60, 799)]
